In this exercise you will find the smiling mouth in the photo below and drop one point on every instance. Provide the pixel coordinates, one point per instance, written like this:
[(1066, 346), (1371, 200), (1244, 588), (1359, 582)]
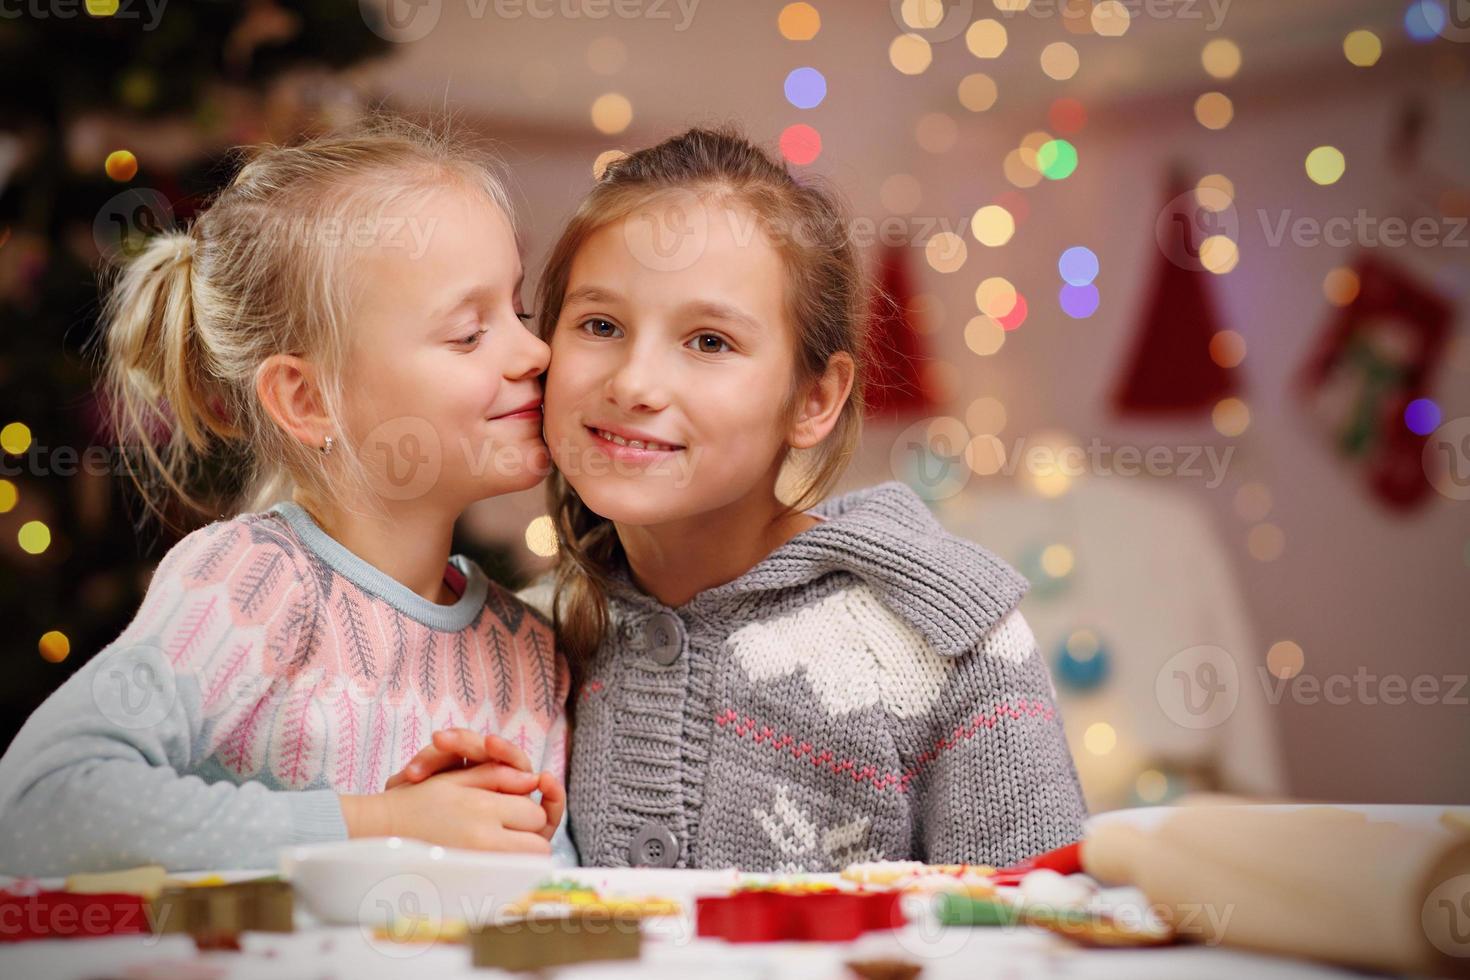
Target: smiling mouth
[(617, 440)]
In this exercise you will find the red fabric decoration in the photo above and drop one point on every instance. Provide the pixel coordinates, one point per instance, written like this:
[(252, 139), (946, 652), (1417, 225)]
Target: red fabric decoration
[(1374, 357), (1170, 371), (896, 382), (67, 915)]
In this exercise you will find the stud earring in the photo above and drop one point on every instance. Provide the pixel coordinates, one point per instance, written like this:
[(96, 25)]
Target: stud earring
[(327, 446)]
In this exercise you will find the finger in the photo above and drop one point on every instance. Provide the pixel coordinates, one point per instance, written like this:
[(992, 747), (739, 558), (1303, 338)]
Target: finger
[(518, 813), (508, 752), (554, 802), (461, 743), (497, 777), (428, 762)]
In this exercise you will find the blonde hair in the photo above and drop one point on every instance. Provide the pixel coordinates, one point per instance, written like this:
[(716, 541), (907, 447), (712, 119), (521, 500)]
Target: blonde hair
[(825, 297), (191, 318)]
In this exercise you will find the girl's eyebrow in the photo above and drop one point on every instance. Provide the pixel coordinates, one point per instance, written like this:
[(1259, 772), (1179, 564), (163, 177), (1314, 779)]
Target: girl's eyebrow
[(474, 295), (591, 294), (724, 312)]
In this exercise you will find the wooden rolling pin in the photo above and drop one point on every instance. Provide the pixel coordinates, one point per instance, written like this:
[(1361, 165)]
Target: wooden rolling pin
[(1320, 883)]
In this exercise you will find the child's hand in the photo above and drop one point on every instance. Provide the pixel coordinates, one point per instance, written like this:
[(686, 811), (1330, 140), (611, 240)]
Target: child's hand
[(457, 748), (453, 809), (508, 769)]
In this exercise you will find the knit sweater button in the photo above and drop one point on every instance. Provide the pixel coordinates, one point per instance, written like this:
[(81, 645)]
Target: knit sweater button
[(664, 636), (653, 846)]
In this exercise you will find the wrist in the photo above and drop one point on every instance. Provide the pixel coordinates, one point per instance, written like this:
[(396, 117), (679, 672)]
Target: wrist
[(366, 815)]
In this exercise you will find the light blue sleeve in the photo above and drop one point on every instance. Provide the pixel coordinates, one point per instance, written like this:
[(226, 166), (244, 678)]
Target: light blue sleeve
[(97, 779), (563, 851)]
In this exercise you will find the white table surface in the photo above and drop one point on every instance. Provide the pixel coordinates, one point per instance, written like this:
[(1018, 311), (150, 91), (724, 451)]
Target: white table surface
[(670, 949)]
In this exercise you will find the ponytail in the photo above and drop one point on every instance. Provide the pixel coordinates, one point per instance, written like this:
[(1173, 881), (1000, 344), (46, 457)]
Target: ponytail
[(157, 378)]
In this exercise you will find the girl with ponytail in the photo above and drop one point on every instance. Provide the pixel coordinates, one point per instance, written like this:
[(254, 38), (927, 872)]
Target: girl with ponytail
[(345, 320)]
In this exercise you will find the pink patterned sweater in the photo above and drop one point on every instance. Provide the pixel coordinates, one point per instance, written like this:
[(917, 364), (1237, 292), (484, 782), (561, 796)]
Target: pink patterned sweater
[(268, 670)]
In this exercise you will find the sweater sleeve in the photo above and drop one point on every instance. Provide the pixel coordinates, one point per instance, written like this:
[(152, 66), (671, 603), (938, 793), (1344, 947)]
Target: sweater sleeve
[(99, 777), (994, 782)]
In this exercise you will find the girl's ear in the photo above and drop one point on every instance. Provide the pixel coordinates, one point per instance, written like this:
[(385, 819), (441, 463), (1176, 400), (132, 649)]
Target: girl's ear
[(822, 403), (287, 387)]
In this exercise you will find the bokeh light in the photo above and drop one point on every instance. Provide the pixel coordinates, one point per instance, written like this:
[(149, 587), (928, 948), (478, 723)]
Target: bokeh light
[(1231, 417), (1341, 286), (1265, 542), (1100, 738), (1424, 20), (1214, 110), (54, 646), (936, 132), (1057, 159), (1362, 48), (986, 416), (612, 113), (1285, 659), (910, 54), (121, 166), (34, 537), (1422, 416), (986, 38), (1326, 165), (1017, 316), (1219, 254), (1214, 192), (977, 92), (604, 160), (945, 252), (1227, 348), (1111, 19), (1221, 58), (1060, 61), (801, 144), (1057, 560), (1018, 171), (799, 22), (984, 335), (985, 454), (996, 296), (1067, 116), (993, 225), (15, 438), (541, 537), (805, 88), (1079, 302), (9, 496), (1078, 265), (1253, 501)]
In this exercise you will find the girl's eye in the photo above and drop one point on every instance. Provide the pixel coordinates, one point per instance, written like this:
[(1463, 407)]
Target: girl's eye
[(719, 343), (525, 317), (471, 340), (595, 325)]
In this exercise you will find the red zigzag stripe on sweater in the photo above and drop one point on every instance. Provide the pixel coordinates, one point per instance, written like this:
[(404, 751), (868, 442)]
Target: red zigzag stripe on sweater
[(748, 727)]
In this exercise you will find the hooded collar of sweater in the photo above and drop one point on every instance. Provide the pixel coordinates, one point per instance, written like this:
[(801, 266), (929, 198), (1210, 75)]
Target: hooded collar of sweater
[(952, 591)]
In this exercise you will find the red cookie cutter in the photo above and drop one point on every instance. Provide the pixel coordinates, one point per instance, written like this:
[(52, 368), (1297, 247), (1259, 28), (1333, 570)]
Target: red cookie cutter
[(1064, 860), (766, 916), (68, 915)]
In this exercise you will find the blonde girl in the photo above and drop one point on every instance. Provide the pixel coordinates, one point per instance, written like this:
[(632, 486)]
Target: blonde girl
[(345, 321)]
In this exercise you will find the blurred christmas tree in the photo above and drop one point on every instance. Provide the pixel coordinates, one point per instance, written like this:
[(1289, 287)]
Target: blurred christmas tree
[(116, 118)]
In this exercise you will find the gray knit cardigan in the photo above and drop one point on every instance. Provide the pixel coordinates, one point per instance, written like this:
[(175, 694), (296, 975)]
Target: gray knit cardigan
[(869, 691)]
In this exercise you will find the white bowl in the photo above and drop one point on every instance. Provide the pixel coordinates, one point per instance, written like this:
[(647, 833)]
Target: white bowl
[(378, 882), (1149, 817)]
